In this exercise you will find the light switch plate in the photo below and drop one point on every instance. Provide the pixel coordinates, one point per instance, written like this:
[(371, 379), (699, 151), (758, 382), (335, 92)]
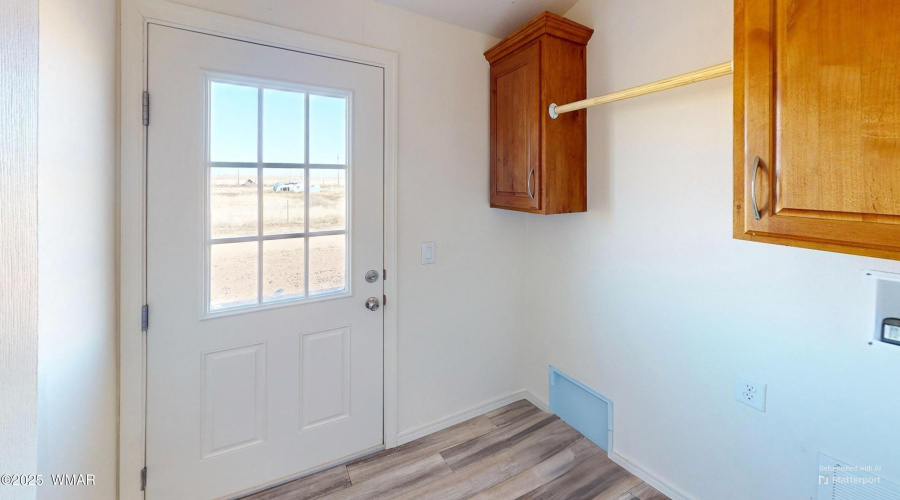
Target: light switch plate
[(750, 392), (428, 252)]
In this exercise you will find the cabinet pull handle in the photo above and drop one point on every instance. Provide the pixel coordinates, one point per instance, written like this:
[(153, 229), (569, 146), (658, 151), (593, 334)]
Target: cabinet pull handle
[(753, 188), (530, 175)]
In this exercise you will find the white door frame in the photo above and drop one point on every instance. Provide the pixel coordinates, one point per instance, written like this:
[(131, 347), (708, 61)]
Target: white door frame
[(135, 17)]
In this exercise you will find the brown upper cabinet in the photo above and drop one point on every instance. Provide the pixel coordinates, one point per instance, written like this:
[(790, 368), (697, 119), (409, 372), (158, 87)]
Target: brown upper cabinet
[(539, 164), (817, 124)]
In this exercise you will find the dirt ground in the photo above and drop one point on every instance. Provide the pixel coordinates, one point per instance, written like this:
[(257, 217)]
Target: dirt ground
[(234, 199)]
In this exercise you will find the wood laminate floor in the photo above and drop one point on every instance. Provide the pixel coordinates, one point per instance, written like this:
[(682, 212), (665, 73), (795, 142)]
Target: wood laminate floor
[(514, 452)]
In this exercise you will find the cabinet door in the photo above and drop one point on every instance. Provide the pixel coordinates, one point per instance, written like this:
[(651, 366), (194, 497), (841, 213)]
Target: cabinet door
[(515, 130), (817, 99)]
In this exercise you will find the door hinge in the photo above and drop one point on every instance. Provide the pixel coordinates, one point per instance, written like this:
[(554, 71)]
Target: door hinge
[(145, 317), (143, 479), (384, 274), (145, 115), (384, 300)]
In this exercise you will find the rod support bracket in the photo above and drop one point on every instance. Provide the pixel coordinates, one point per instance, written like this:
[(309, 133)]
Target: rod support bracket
[(553, 111)]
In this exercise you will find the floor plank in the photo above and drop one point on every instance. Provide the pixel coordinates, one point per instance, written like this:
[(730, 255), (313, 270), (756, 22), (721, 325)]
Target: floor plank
[(542, 473), (598, 478), (465, 454), (514, 452), (309, 487), (566, 460), (644, 491), (372, 465), (511, 413), (513, 487), (543, 443), (396, 481), (468, 481)]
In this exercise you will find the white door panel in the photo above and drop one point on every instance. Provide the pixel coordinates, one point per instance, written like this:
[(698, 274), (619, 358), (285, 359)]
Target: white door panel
[(263, 360)]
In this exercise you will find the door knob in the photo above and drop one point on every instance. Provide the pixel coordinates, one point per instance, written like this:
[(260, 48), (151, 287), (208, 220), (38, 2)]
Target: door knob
[(372, 303)]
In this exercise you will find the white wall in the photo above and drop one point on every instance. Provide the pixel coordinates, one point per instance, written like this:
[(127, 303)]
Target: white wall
[(459, 317), (77, 407), (648, 299), (18, 242)]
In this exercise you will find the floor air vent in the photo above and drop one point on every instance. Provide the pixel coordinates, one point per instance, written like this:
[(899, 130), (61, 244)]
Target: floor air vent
[(840, 481), (586, 410)]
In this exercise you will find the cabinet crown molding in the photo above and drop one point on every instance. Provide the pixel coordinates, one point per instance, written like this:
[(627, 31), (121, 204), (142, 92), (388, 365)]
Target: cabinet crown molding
[(547, 23)]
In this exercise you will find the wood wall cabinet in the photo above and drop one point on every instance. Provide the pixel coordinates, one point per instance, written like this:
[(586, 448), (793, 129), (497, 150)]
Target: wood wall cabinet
[(817, 99), (539, 164)]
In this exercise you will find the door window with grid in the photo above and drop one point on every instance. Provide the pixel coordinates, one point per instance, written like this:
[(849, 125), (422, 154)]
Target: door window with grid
[(277, 204)]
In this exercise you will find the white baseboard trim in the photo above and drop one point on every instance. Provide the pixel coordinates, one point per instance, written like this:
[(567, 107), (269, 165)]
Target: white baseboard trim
[(648, 477), (463, 415)]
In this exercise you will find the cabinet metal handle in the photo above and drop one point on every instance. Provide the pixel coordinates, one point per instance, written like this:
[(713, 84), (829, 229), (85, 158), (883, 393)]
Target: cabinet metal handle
[(530, 175), (753, 188)]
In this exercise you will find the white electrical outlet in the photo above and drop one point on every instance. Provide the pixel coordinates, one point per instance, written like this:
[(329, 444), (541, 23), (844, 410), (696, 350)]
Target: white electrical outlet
[(750, 392)]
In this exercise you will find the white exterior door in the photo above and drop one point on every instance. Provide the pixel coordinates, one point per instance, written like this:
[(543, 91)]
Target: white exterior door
[(265, 213)]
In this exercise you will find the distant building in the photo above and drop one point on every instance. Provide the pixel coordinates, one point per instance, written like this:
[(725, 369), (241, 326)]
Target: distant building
[(288, 187), (294, 187)]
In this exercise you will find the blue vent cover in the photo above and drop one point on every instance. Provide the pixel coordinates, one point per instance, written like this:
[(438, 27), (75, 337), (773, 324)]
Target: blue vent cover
[(583, 408)]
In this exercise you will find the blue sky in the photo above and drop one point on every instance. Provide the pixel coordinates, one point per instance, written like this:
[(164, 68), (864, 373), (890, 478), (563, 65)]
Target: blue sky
[(234, 118)]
